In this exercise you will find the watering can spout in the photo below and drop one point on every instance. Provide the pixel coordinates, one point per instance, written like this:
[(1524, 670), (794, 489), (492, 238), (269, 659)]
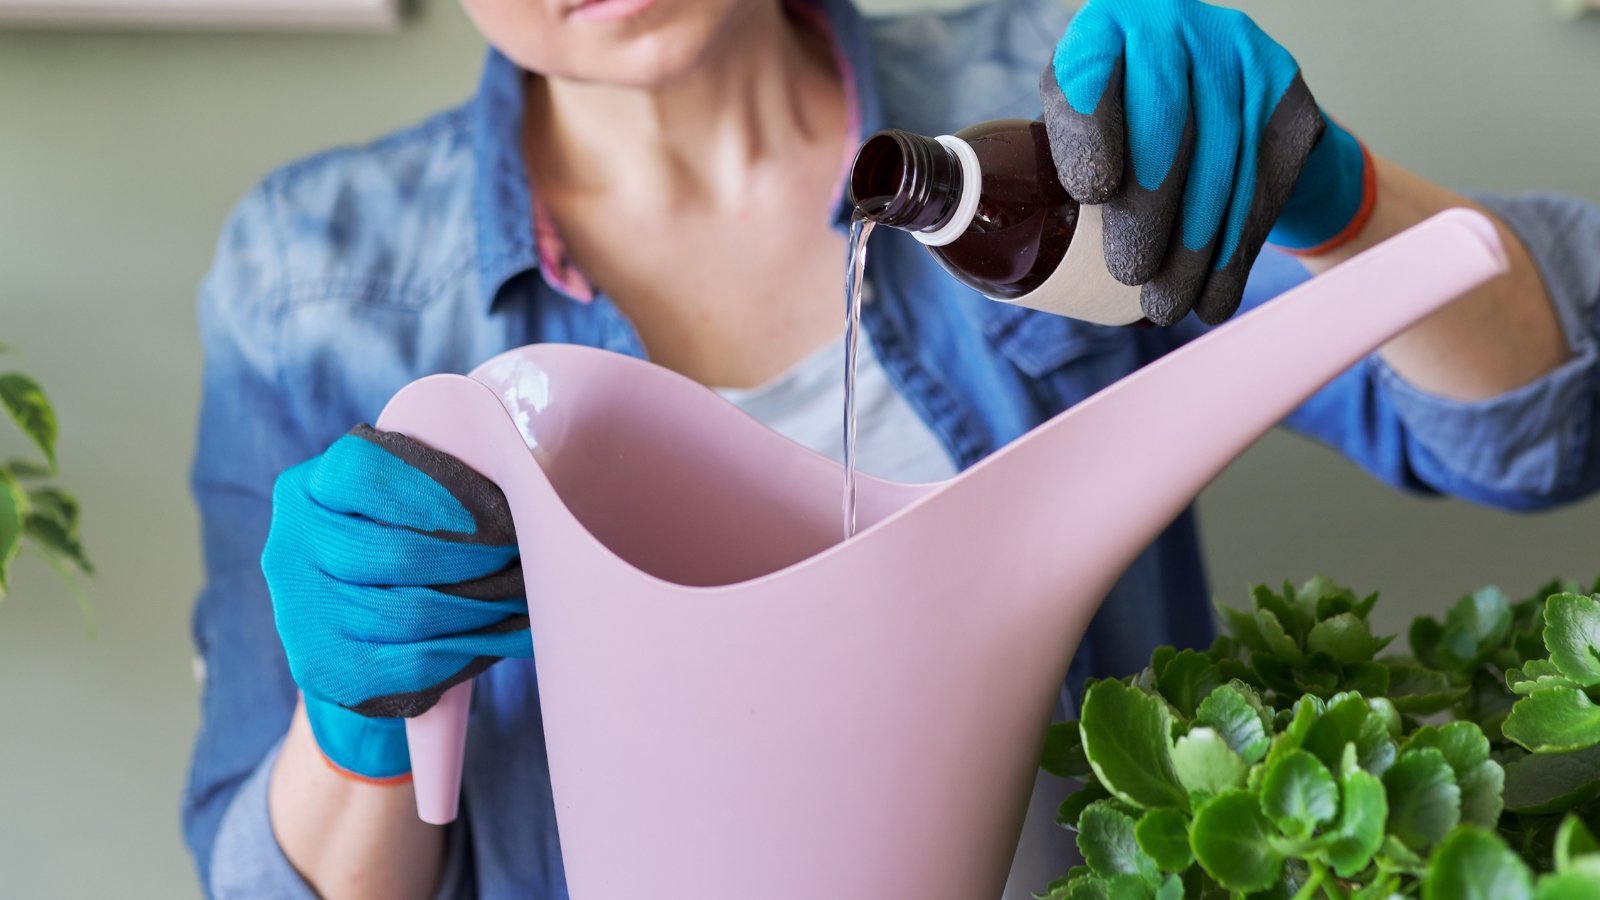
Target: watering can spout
[(845, 719), (1217, 396)]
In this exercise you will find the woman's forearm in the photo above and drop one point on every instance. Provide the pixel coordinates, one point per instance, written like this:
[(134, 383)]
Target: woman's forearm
[(349, 839), (1499, 337)]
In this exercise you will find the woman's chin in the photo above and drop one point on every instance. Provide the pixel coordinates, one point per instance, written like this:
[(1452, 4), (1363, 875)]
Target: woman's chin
[(646, 64)]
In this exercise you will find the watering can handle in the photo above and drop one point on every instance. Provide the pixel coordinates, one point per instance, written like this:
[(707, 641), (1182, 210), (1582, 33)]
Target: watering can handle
[(438, 737)]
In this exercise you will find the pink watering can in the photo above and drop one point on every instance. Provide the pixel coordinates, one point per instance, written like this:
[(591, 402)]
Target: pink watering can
[(844, 720)]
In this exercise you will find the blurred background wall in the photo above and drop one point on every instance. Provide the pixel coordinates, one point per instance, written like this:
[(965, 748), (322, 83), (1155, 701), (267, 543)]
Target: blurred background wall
[(120, 153)]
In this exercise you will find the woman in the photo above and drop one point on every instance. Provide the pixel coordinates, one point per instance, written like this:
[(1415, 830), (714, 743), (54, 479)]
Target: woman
[(663, 177)]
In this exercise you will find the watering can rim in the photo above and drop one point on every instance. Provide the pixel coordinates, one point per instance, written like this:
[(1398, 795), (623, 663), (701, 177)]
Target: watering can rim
[(927, 493)]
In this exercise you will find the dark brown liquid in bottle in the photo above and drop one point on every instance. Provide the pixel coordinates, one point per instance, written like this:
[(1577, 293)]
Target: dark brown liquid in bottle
[(1025, 219)]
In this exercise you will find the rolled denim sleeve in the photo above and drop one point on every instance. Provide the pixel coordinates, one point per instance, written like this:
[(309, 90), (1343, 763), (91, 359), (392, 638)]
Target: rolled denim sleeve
[(246, 858), (1530, 447)]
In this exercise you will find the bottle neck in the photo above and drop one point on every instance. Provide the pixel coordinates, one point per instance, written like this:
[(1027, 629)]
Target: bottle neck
[(907, 181)]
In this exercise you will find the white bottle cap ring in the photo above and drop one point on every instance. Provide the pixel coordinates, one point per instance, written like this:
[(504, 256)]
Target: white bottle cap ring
[(967, 204)]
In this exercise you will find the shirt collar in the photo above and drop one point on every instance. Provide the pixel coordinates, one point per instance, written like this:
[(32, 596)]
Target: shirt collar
[(505, 208)]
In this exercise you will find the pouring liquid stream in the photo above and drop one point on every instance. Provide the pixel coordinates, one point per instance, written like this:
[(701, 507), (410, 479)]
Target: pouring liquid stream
[(860, 230)]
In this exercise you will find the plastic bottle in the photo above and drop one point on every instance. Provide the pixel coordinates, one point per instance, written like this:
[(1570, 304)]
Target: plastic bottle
[(987, 203)]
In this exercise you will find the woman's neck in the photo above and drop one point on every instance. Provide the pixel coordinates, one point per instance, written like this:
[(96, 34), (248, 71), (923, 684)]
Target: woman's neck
[(765, 89)]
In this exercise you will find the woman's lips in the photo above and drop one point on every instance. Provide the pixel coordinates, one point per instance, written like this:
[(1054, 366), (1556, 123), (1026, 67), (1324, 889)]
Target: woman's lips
[(608, 10)]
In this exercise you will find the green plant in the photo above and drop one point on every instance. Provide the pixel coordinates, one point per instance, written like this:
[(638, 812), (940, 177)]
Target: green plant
[(1290, 761), (33, 513)]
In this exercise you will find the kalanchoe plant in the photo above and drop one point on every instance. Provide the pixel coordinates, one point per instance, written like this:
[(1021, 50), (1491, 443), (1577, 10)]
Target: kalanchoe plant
[(32, 512), (1290, 760)]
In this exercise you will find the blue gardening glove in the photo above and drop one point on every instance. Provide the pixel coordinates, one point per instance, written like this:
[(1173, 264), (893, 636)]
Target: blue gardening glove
[(1196, 131), (394, 575)]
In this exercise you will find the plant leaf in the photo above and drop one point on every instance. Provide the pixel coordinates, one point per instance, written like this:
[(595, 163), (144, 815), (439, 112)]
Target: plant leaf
[(1474, 627), (1106, 840), (1487, 702), (1128, 887), (26, 469), (1536, 674), (1359, 832), (1424, 800), (30, 409), (1240, 719), (1552, 782), (1572, 632), (1401, 858), (1569, 886), (53, 524), (1473, 864), (1163, 834), (1345, 637), (1186, 679), (1206, 765), (1296, 618), (1299, 794), (1554, 720), (1480, 778), (13, 513), (1424, 638), (1369, 679), (1230, 837), (1573, 840), (1277, 638), (1350, 720), (1071, 808), (1126, 735), (1063, 751), (1242, 625)]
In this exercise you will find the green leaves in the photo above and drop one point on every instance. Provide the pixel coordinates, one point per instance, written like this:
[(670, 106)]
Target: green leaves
[(1424, 800), (1474, 627), (13, 513), (1572, 632), (1063, 751), (22, 397), (1475, 865), (1360, 830), (1346, 638), (1577, 864), (1480, 779), (1186, 679), (1554, 719), (1420, 691), (1287, 761), (1231, 840), (1573, 843), (1298, 794), (45, 515), (1164, 835), (1235, 712), (1106, 840), (1553, 782), (1126, 736), (1351, 720), (1206, 765)]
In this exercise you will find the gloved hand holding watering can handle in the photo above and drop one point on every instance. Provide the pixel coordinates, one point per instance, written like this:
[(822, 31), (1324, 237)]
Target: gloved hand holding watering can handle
[(394, 574), (1197, 132)]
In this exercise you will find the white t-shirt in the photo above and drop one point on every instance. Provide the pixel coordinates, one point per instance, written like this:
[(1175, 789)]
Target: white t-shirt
[(806, 405)]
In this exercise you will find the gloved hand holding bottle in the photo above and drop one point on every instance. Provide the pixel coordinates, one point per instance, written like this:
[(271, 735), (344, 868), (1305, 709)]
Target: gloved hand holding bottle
[(394, 574), (1197, 132)]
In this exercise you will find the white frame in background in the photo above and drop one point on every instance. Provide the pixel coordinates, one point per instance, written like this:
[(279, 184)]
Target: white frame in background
[(280, 14)]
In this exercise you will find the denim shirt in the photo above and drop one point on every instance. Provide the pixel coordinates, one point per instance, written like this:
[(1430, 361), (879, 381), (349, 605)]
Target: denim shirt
[(345, 276)]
